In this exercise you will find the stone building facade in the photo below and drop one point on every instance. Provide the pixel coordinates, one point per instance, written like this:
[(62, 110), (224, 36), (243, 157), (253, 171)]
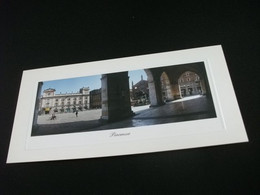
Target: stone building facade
[(64, 102), (95, 98), (140, 92), (190, 84)]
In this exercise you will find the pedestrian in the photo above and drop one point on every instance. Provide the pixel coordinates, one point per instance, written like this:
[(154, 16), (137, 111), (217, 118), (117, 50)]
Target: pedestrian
[(77, 113), (53, 115)]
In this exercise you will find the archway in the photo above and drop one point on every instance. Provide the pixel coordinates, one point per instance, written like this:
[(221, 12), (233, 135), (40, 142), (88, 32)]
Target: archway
[(190, 84), (154, 84), (167, 94), (115, 92)]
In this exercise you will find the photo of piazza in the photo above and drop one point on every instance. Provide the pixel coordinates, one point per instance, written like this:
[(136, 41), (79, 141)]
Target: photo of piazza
[(155, 96), (69, 102)]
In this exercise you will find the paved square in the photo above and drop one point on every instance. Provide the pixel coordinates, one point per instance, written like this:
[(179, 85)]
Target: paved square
[(189, 108)]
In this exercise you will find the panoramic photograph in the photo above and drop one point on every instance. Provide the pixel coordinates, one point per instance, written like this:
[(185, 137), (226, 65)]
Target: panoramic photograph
[(165, 94)]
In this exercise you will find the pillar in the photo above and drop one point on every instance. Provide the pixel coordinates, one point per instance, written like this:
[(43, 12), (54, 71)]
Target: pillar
[(104, 97), (176, 91), (155, 92), (203, 87), (115, 93), (37, 103), (169, 92)]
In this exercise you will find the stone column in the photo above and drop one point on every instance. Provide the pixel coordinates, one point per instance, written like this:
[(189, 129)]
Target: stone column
[(169, 92), (104, 97), (155, 92), (116, 103), (152, 93), (176, 91), (37, 103), (203, 87)]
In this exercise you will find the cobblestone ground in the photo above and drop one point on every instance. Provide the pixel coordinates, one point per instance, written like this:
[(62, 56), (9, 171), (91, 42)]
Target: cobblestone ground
[(87, 115), (189, 108)]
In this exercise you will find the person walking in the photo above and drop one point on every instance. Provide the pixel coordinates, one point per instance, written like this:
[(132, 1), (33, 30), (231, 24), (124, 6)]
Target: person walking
[(76, 113), (53, 116)]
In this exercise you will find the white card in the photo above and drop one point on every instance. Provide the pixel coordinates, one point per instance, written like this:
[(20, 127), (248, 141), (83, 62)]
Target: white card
[(188, 102)]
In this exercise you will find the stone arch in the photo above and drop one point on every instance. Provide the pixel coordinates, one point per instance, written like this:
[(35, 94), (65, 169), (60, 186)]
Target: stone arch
[(115, 94), (190, 84), (203, 82)]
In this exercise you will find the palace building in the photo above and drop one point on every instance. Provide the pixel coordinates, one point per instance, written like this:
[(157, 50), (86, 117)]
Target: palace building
[(190, 84), (140, 92), (64, 102)]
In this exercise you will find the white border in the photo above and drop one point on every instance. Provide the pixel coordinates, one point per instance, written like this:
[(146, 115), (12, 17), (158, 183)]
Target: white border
[(226, 128)]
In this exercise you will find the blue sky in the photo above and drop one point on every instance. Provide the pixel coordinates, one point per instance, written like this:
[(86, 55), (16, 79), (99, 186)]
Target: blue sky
[(93, 82)]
